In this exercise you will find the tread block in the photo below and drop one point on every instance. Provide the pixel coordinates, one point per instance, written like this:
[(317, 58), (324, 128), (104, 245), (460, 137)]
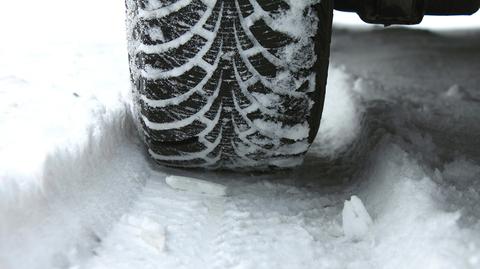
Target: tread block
[(268, 37)]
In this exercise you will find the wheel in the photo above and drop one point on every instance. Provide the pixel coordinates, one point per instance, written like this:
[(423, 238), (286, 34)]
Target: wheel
[(228, 84)]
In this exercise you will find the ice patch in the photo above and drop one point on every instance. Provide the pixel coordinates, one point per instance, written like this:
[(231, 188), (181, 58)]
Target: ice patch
[(356, 220), (195, 185)]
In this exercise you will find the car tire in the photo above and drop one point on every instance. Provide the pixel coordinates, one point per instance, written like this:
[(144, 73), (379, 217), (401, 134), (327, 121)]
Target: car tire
[(228, 84)]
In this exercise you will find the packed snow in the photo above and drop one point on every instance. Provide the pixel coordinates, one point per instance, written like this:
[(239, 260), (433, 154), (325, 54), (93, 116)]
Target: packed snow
[(392, 180)]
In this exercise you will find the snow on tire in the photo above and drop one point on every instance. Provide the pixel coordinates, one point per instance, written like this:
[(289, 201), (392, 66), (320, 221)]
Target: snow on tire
[(228, 83)]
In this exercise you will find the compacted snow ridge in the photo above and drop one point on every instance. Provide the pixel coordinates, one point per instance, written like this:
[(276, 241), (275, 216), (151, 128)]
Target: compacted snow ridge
[(392, 180), (58, 211)]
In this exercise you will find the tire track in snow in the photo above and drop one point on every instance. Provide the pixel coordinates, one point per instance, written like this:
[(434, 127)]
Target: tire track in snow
[(166, 228), (285, 221), (259, 225), (262, 223)]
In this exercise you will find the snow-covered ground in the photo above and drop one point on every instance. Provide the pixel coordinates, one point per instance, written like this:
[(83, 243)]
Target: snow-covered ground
[(392, 181)]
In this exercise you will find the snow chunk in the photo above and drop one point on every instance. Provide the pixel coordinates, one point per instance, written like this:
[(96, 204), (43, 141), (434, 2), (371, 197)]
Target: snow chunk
[(356, 220), (153, 234), (153, 4), (277, 129), (268, 100), (455, 92), (299, 21), (156, 33), (196, 185)]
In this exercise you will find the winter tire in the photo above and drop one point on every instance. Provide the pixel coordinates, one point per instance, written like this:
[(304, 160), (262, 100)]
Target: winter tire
[(228, 83)]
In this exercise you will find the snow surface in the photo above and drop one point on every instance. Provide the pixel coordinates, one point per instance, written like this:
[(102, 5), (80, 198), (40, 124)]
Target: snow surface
[(196, 185), (78, 192)]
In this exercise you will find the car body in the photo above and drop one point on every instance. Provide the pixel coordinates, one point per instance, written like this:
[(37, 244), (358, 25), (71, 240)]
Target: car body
[(389, 12)]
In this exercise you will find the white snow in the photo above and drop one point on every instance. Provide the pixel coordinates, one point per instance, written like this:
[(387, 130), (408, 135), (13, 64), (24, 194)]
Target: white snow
[(294, 21), (340, 123), (157, 10), (195, 185), (77, 191), (69, 164), (152, 233), (277, 129)]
